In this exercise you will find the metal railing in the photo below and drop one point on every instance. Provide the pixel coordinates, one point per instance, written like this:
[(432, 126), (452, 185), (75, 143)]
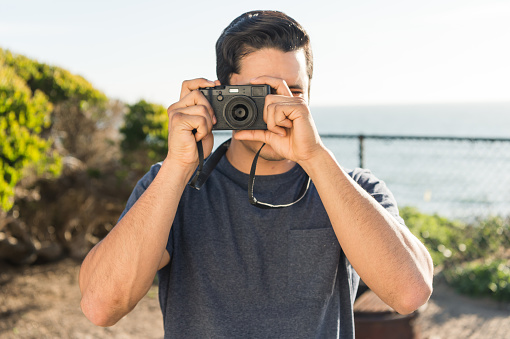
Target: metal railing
[(460, 178)]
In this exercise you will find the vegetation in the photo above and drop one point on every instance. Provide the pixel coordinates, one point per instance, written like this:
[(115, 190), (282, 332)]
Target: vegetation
[(59, 159), (56, 83), (474, 258), (484, 277), (24, 117), (145, 135)]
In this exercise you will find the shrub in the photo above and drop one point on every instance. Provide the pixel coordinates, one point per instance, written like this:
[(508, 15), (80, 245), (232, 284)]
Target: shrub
[(145, 135), (442, 237), (57, 83), (65, 215), (475, 257), (481, 278), (23, 118)]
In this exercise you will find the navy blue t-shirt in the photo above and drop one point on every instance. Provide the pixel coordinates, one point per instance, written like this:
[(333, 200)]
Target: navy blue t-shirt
[(237, 271)]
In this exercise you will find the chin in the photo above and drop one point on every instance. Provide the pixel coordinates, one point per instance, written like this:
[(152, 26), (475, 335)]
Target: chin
[(267, 152)]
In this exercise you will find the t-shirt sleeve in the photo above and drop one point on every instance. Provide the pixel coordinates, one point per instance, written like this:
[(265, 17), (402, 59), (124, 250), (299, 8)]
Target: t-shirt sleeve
[(378, 190), (138, 191)]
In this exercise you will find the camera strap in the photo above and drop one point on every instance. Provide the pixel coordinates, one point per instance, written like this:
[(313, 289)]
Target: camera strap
[(251, 183), (205, 168)]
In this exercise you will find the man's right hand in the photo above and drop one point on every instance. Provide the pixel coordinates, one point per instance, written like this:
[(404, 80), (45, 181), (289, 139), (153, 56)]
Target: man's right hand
[(190, 120)]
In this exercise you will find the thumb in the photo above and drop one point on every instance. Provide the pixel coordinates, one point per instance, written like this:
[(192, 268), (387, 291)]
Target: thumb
[(253, 135)]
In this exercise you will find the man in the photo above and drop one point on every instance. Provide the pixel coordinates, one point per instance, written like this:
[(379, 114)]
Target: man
[(229, 269)]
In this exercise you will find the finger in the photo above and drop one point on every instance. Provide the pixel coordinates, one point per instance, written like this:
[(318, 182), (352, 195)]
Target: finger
[(271, 121), (197, 110), (189, 86), (194, 98), (253, 135), (193, 124), (283, 114), (279, 111), (278, 84)]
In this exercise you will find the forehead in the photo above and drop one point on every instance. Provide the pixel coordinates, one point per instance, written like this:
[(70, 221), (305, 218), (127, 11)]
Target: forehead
[(289, 66)]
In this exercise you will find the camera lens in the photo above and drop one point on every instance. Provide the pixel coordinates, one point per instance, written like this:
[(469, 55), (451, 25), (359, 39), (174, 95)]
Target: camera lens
[(240, 112)]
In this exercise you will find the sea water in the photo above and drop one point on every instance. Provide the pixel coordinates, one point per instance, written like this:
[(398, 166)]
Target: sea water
[(463, 120)]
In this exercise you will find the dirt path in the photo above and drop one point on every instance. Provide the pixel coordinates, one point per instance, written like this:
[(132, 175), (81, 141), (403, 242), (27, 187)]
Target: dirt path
[(43, 302), (451, 315)]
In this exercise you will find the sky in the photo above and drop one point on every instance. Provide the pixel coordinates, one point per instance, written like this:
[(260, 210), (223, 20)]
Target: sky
[(366, 52)]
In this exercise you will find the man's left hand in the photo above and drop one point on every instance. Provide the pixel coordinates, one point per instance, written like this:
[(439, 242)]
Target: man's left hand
[(291, 132)]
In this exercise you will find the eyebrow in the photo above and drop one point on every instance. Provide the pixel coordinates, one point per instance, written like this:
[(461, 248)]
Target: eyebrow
[(300, 87)]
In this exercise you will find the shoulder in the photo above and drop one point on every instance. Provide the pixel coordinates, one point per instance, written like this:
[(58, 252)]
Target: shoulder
[(377, 189), (366, 179), (148, 178), (141, 186)]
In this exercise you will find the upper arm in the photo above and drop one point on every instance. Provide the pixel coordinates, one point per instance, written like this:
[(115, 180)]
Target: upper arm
[(378, 190), (165, 259)]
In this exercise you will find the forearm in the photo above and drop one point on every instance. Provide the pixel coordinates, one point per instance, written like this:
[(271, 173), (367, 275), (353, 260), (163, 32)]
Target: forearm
[(119, 270), (389, 259)]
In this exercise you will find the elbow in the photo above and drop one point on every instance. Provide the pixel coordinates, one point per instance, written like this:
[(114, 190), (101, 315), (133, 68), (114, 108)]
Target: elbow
[(413, 298), (100, 313), (418, 290)]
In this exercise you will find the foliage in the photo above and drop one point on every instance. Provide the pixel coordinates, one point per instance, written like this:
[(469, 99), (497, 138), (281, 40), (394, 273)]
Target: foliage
[(23, 117), (57, 83), (74, 125), (145, 135), (479, 278), (442, 237), (474, 257), (29, 91)]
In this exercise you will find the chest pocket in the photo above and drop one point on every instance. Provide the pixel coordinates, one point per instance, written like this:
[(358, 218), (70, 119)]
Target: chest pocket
[(314, 255)]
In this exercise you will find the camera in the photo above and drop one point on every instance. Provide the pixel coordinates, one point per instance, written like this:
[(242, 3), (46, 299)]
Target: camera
[(238, 107)]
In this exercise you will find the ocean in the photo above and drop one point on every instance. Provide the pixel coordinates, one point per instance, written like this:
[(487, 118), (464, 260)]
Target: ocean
[(459, 179), (489, 120)]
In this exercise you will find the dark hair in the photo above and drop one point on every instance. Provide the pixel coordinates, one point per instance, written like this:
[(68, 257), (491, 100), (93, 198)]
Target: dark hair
[(253, 31)]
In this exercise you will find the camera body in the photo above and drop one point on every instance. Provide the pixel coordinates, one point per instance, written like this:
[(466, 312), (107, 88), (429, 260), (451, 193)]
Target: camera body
[(238, 107)]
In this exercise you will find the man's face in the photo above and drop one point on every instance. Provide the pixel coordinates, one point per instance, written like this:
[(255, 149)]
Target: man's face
[(289, 66)]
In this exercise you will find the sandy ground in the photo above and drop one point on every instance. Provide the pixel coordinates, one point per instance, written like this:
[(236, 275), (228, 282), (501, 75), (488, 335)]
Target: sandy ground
[(43, 302)]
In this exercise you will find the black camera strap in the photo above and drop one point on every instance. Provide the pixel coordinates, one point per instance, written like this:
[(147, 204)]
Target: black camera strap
[(204, 170), (251, 183)]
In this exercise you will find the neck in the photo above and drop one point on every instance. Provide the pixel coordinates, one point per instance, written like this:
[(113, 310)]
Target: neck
[(240, 154)]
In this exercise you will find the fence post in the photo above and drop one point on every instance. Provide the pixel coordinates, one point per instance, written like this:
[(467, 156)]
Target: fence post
[(361, 137)]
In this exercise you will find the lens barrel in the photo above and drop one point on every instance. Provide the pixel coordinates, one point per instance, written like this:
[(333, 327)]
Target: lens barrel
[(240, 112)]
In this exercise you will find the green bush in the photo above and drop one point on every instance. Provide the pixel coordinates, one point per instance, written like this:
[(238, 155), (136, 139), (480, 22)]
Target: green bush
[(145, 135), (29, 92), (474, 256), (442, 237), (482, 278), (23, 117), (47, 113), (57, 83)]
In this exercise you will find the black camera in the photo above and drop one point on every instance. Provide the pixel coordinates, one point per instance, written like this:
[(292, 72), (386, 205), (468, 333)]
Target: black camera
[(238, 107)]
